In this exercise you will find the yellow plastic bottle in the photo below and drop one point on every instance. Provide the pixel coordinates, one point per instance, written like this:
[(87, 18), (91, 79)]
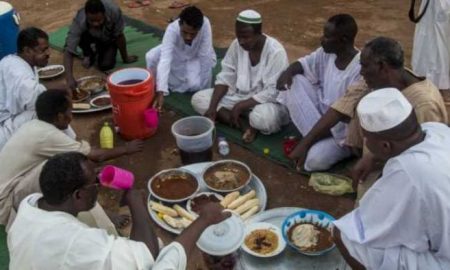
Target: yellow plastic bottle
[(106, 137)]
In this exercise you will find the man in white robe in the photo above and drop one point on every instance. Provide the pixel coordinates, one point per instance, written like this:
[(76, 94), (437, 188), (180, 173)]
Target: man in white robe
[(185, 59), (246, 83), (46, 234), (19, 81), (431, 47), (316, 81), (402, 222)]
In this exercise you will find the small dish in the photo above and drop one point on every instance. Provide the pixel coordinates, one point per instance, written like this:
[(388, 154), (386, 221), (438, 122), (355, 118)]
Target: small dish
[(241, 178), (190, 202), (51, 71), (257, 233), (93, 84), (101, 101), (173, 185), (80, 95), (319, 219)]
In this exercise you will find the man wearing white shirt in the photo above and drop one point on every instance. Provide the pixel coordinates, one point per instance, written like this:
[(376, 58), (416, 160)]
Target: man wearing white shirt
[(46, 234), (186, 57), (245, 94), (19, 81), (402, 222)]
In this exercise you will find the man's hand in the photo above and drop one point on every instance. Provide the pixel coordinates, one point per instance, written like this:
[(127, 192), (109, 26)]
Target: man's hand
[(132, 197), (72, 83), (284, 82), (134, 146), (211, 114), (236, 113), (212, 213), (299, 155), (361, 170), (130, 59), (159, 101)]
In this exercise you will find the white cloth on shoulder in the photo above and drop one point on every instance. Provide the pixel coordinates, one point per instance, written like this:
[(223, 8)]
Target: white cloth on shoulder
[(402, 221), (181, 67), (431, 47)]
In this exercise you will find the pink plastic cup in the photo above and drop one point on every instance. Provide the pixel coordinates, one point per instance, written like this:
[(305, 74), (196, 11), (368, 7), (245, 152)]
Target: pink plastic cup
[(117, 178), (151, 117)]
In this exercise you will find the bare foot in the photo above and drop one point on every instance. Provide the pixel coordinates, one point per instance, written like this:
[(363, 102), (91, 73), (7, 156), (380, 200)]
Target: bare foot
[(86, 63), (119, 221), (249, 135)]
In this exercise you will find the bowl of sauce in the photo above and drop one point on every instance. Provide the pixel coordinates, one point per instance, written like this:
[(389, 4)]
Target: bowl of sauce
[(227, 176), (173, 185)]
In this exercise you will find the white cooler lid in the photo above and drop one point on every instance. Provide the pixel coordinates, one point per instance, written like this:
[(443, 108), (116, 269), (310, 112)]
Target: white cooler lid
[(5, 7)]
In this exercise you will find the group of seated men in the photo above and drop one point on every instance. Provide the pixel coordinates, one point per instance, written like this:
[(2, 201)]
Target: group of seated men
[(343, 101)]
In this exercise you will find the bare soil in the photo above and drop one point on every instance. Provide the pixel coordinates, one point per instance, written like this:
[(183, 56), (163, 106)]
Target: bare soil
[(297, 24)]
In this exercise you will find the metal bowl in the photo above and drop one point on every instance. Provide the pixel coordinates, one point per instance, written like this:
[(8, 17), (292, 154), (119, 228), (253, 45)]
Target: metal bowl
[(217, 164), (93, 84), (168, 173)]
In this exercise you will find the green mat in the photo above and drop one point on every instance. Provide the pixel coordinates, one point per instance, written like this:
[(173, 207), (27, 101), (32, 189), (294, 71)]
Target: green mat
[(140, 38), (4, 254)]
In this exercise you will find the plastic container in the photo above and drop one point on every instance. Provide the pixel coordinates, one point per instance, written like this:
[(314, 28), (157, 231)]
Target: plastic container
[(132, 91), (116, 178), (9, 22), (194, 137), (106, 137), (151, 117), (223, 147)]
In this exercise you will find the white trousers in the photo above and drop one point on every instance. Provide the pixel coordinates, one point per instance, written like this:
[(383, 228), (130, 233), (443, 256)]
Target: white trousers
[(305, 109), (268, 118)]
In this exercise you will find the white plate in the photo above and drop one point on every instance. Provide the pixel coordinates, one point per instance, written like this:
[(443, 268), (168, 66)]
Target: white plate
[(51, 67), (197, 169), (93, 109), (264, 226), (100, 96)]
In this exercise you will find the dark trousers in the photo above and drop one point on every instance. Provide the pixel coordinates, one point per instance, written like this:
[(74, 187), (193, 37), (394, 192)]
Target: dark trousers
[(105, 52)]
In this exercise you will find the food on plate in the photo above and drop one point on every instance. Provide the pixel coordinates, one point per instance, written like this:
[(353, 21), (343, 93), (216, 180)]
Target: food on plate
[(163, 209), (310, 237), (49, 72), (202, 199), (81, 106), (174, 185), (246, 206), (102, 101), (183, 213), (250, 212), (227, 176), (229, 198), (79, 95), (173, 222), (92, 84), (242, 199), (262, 241)]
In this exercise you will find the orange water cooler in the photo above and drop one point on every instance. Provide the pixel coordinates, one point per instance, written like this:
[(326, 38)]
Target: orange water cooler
[(132, 91)]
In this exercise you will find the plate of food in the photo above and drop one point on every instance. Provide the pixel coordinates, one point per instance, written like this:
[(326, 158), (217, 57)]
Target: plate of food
[(94, 103), (248, 201), (80, 95), (193, 204), (309, 232), (227, 176), (101, 101), (263, 239), (173, 185), (50, 71), (93, 84)]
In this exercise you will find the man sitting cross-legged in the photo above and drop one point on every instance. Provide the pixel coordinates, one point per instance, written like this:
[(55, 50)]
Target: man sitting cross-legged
[(29, 148), (246, 84), (46, 234)]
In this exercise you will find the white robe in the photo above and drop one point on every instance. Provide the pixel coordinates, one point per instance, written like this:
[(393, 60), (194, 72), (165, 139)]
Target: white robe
[(311, 95), (431, 47), (180, 67), (19, 89), (57, 240), (403, 221), (245, 82)]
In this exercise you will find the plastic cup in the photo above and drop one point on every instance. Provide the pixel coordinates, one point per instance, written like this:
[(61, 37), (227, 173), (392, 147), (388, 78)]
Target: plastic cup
[(151, 117), (116, 178)]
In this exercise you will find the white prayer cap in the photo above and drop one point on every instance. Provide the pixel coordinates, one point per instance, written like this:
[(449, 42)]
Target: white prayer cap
[(383, 109), (249, 16)]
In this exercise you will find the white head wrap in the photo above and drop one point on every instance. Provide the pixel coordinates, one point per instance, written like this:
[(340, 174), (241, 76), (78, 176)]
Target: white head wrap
[(249, 16)]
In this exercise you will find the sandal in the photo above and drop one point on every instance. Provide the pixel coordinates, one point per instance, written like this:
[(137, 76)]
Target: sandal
[(249, 135)]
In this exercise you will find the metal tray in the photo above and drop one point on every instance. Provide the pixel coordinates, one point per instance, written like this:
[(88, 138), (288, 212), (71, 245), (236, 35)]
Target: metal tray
[(93, 109), (289, 258), (197, 169)]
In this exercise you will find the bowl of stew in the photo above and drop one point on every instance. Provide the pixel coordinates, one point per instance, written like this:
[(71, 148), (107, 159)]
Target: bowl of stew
[(227, 176), (173, 185)]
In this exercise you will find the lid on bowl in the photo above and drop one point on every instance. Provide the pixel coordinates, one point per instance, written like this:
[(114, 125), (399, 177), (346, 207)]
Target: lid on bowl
[(223, 238)]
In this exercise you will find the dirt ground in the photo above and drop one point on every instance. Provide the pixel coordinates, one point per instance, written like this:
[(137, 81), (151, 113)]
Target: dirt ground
[(297, 24)]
